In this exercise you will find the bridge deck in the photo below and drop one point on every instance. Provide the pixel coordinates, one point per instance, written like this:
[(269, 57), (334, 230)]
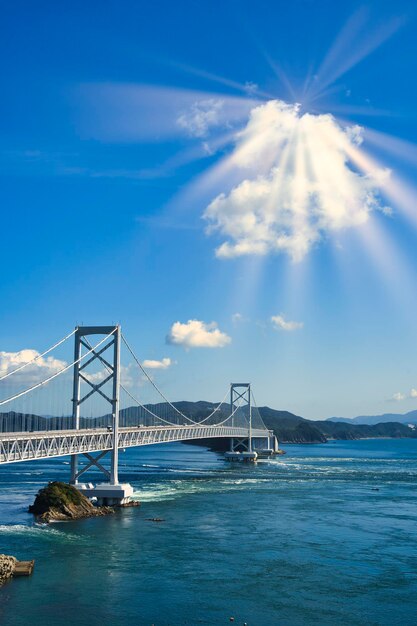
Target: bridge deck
[(24, 446)]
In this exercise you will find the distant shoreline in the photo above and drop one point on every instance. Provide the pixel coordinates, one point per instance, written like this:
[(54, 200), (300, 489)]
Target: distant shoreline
[(218, 445), (355, 439)]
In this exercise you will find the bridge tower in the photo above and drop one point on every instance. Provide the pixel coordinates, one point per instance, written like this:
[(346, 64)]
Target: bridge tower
[(111, 492), (241, 393)]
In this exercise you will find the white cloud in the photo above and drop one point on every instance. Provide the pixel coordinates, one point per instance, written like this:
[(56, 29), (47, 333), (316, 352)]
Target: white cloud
[(280, 323), (95, 377), (354, 134), (398, 397), (201, 117), (128, 376), (207, 149), (197, 334), (39, 370), (157, 365), (237, 317), (251, 88), (298, 184)]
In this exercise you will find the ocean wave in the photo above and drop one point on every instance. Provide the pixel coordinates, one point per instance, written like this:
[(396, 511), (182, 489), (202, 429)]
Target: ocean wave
[(43, 531), (11, 474), (307, 460), (181, 470), (173, 489)]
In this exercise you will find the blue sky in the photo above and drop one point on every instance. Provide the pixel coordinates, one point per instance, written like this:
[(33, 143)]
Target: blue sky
[(123, 122)]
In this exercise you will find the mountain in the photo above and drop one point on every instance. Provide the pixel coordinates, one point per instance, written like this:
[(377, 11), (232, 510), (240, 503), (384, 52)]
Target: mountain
[(288, 428), (342, 430), (402, 418)]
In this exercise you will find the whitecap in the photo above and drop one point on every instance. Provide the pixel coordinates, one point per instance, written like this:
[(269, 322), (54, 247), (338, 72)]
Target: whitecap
[(38, 530)]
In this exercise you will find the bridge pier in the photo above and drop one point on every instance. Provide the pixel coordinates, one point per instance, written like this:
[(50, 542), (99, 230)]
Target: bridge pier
[(107, 494), (241, 450), (112, 492), (272, 446), (74, 470)]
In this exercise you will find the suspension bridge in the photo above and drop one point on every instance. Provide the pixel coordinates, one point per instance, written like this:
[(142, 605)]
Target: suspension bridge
[(86, 407)]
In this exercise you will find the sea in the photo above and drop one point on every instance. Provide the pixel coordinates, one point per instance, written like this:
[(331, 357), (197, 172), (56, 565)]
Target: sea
[(324, 535)]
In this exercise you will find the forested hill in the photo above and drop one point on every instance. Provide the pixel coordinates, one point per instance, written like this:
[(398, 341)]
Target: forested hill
[(403, 418), (289, 428)]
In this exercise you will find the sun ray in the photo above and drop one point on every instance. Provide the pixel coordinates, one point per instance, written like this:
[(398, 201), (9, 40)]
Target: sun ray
[(400, 148), (392, 267), (197, 152), (244, 88), (354, 43), (395, 188), (352, 109), (280, 74), (404, 198), (118, 112)]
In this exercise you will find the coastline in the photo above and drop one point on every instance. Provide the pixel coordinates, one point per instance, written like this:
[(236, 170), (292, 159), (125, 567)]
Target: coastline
[(365, 438)]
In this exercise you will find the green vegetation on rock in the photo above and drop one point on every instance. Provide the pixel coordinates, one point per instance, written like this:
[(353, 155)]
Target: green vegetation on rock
[(56, 495), (59, 501)]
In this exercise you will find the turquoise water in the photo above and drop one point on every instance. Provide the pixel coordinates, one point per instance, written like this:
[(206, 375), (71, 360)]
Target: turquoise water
[(325, 535)]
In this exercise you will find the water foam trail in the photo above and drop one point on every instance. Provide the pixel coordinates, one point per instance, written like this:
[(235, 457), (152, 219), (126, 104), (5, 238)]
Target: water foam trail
[(42, 531), (157, 492)]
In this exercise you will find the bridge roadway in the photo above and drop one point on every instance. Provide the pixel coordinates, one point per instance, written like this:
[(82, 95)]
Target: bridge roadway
[(31, 446)]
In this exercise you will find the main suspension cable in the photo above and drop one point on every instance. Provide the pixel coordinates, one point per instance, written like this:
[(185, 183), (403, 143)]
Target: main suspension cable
[(39, 356), (145, 408), (163, 396), (61, 371), (216, 409), (170, 423), (152, 382), (259, 413)]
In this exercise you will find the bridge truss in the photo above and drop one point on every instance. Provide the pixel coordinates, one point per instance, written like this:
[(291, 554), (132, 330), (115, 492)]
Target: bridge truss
[(15, 447)]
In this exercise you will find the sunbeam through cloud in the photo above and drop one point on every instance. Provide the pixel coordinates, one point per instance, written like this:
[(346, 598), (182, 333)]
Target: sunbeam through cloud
[(298, 184)]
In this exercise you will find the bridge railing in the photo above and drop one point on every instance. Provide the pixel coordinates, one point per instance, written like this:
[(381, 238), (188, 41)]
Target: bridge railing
[(18, 447)]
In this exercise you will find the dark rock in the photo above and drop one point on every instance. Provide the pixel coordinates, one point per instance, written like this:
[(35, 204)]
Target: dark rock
[(7, 567), (127, 505), (61, 502)]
